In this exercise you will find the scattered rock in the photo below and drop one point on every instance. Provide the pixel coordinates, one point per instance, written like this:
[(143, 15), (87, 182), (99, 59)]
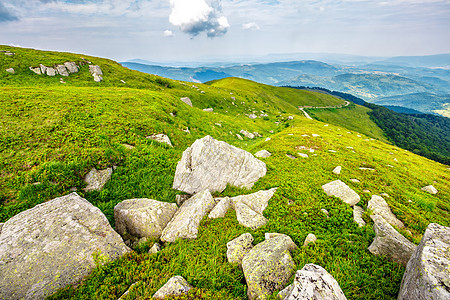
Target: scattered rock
[(211, 164), (290, 117), (10, 70), (304, 155), (379, 207), (176, 286), (269, 235), (52, 245), (357, 215), (160, 138), (430, 189), (43, 68), (61, 80), (366, 191), (128, 146), (138, 218), (384, 195), (263, 154), (239, 137), (366, 169), (257, 201), (313, 282), (341, 190), (186, 100), (36, 70), (291, 156), (324, 211), (123, 81), (187, 130), (179, 199), (71, 67), (252, 116), (239, 247), (51, 71), (208, 109), (315, 135), (267, 139), (186, 220), (248, 217), (61, 69), (97, 179), (127, 292), (220, 210), (355, 180), (218, 124), (332, 151), (247, 134), (155, 248), (9, 53), (337, 170), (389, 243), (427, 275), (310, 238), (268, 266)]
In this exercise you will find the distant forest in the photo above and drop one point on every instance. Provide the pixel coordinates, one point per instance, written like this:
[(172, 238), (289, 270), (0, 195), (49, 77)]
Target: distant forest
[(424, 134)]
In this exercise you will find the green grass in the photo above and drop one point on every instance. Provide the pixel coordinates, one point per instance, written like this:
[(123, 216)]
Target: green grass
[(51, 134)]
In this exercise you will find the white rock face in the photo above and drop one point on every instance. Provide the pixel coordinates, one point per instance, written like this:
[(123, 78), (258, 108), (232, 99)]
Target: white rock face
[(185, 222), (211, 164), (247, 134), (430, 189), (97, 179), (239, 247), (220, 210), (427, 275), (52, 245), (142, 217), (160, 138), (62, 70), (313, 282), (310, 238), (263, 154), (389, 243), (186, 100), (379, 207), (71, 67), (176, 285), (337, 170), (357, 215), (341, 190)]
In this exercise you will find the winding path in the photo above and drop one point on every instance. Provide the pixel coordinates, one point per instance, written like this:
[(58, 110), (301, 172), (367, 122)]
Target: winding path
[(302, 108)]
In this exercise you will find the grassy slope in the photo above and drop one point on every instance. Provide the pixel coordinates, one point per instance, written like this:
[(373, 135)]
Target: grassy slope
[(53, 134)]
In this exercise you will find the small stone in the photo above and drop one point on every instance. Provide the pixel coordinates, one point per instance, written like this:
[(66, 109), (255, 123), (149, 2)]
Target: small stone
[(208, 109), (315, 135), (247, 134), (161, 138), (263, 154), (239, 137), (268, 139), (252, 116), (155, 248), (291, 156), (123, 81), (357, 215), (324, 211), (366, 191), (10, 70), (354, 180), (239, 247), (179, 199), (341, 190), (311, 238), (332, 151), (97, 179), (186, 100), (430, 189), (176, 286), (337, 170), (218, 124), (36, 70), (384, 195), (366, 169)]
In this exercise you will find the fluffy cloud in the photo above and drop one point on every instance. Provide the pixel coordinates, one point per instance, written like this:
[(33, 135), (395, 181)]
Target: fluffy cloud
[(251, 25), (168, 33), (196, 16), (5, 14)]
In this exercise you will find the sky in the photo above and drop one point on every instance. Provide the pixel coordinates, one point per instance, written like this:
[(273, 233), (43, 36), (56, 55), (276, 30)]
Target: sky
[(183, 30)]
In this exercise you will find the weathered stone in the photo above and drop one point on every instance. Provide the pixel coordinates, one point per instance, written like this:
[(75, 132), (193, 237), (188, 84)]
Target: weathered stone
[(51, 71), (239, 137), (291, 156), (208, 109), (337, 170), (268, 266), (36, 70), (354, 180), (53, 245), (10, 70), (304, 155), (310, 238), (155, 248), (263, 154), (341, 190), (97, 179), (211, 164), (220, 210), (176, 286), (313, 282), (239, 247), (43, 68), (95, 69), (1, 225), (71, 67), (427, 275), (185, 222), (379, 207), (257, 201), (218, 124), (247, 134), (248, 217), (430, 189), (97, 78), (179, 199), (269, 235), (389, 243), (142, 217), (186, 100), (357, 215), (62, 70), (252, 116), (160, 138)]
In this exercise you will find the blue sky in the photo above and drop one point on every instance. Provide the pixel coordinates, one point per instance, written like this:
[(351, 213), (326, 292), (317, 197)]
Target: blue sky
[(160, 30)]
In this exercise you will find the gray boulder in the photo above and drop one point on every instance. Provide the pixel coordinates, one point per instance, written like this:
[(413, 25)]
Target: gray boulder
[(96, 72), (427, 275), (310, 238), (430, 189), (176, 286), (389, 243), (43, 68), (138, 218), (62, 70), (71, 67), (263, 154), (379, 207), (239, 247), (341, 190), (211, 164), (10, 70), (186, 100), (268, 266), (186, 220), (160, 138), (357, 215), (51, 71), (252, 116), (220, 210), (247, 134), (257, 201), (97, 179), (53, 245), (1, 225), (36, 70), (248, 217), (313, 282)]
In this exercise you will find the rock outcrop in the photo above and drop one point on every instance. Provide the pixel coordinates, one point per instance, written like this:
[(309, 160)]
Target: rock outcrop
[(239, 247), (186, 220), (138, 218), (71, 67), (341, 190), (313, 282), (96, 72), (211, 164), (53, 245), (389, 243), (268, 266), (61, 70), (430, 189), (379, 207), (427, 275), (175, 286), (97, 179)]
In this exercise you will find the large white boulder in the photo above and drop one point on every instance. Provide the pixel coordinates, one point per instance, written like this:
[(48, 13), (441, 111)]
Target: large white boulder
[(341, 190), (239, 247), (175, 286), (379, 207)]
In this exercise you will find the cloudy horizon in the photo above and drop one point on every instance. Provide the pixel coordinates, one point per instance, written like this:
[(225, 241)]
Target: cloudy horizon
[(183, 30)]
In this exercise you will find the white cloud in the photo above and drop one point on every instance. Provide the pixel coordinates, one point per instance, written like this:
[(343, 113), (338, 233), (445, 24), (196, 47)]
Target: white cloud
[(196, 16), (251, 25), (168, 33)]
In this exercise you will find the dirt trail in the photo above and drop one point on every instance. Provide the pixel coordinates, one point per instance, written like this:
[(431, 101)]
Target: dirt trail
[(302, 108)]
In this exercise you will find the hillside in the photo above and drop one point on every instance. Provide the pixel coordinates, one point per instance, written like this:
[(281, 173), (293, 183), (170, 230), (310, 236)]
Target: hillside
[(53, 133), (425, 102)]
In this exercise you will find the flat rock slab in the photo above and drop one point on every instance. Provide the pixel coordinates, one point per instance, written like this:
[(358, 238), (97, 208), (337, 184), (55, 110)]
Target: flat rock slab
[(143, 217), (175, 286), (52, 245), (427, 275), (389, 243), (239, 247), (341, 190), (379, 207), (313, 282), (211, 164), (97, 179), (186, 220), (268, 266)]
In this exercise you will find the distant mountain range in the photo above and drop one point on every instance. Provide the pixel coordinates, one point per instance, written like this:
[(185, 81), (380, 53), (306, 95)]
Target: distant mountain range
[(421, 83)]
